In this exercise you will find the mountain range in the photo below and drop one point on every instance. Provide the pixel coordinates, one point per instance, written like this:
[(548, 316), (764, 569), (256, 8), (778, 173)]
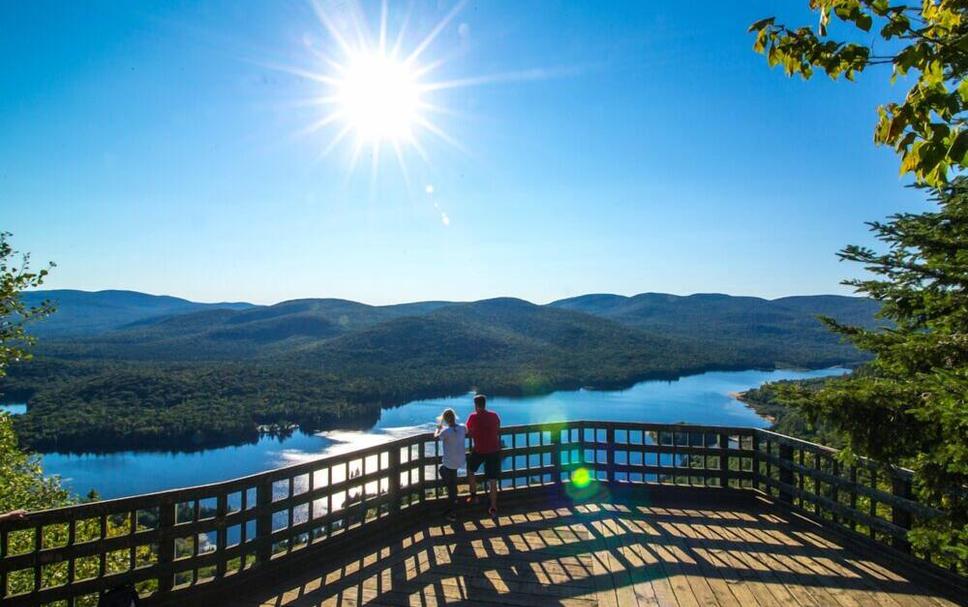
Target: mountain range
[(127, 324), (87, 313), (116, 367)]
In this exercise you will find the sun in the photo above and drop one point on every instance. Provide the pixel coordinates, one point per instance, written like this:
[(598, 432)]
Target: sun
[(377, 91), (379, 97)]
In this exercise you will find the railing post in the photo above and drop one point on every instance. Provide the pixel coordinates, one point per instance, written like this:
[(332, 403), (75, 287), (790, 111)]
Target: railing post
[(221, 541), (853, 495), (769, 467), (786, 473), (3, 554), (901, 487), (581, 444), (166, 545), (724, 461), (394, 481), (610, 454), (556, 455), (755, 458), (422, 470), (835, 489), (263, 521)]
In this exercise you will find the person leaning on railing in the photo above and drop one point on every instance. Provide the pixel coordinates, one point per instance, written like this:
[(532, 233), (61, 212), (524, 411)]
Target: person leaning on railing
[(484, 427), (452, 435)]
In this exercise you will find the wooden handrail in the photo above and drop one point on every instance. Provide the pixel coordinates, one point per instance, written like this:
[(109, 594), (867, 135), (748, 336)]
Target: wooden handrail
[(173, 543)]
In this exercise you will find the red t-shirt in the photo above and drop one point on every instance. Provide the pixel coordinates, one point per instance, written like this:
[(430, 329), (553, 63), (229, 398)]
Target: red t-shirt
[(483, 427)]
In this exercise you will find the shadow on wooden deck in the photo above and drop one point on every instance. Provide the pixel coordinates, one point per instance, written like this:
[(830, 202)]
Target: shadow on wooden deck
[(682, 550)]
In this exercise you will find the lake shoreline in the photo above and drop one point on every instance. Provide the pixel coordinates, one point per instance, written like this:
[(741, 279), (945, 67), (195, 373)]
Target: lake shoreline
[(373, 411), (702, 399)]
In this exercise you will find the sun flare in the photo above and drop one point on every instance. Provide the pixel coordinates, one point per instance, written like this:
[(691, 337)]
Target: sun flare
[(381, 91), (374, 93), (379, 97)]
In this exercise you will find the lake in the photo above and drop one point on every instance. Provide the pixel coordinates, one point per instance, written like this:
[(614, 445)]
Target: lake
[(701, 399)]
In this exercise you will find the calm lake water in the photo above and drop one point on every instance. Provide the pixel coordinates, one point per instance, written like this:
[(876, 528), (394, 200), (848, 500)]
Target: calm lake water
[(703, 399)]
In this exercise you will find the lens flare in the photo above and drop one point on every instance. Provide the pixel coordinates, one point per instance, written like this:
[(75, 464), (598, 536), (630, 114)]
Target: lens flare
[(581, 478)]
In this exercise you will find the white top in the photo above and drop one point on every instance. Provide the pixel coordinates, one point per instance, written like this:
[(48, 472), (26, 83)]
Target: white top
[(453, 437)]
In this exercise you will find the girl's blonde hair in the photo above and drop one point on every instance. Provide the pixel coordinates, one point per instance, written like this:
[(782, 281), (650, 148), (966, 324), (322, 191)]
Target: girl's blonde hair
[(448, 417)]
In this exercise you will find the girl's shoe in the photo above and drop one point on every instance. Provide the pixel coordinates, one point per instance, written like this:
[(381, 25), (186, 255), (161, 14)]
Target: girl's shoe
[(492, 511)]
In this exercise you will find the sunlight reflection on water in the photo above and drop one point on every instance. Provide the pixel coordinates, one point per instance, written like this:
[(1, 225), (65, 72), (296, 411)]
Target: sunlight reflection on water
[(704, 398)]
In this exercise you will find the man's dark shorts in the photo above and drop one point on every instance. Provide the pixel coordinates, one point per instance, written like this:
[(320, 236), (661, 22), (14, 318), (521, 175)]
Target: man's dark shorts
[(491, 461)]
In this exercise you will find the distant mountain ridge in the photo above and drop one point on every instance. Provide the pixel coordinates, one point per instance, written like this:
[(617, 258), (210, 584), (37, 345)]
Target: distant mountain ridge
[(771, 327), (91, 312), (129, 370), (127, 324)]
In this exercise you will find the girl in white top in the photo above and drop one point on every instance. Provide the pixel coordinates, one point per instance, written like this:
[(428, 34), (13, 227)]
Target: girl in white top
[(453, 437)]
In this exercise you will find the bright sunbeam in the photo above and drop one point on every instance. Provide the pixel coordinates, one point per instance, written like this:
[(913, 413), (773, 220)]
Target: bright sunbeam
[(375, 88), (379, 97)]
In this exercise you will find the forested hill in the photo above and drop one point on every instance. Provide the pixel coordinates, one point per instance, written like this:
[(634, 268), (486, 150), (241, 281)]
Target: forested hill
[(81, 313), (208, 375), (726, 312), (785, 330)]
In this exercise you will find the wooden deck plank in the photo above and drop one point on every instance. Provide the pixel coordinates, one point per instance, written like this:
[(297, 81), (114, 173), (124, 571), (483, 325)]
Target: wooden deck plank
[(753, 561), (648, 585), (708, 592), (749, 588), (602, 554), (876, 585), (803, 571), (800, 580), (724, 566), (652, 568), (720, 589), (669, 564), (628, 590)]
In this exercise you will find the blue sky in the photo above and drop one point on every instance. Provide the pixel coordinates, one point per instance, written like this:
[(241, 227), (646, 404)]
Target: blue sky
[(156, 147)]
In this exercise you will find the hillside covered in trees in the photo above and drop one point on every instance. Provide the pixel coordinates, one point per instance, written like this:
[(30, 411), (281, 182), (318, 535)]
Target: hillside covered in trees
[(210, 375)]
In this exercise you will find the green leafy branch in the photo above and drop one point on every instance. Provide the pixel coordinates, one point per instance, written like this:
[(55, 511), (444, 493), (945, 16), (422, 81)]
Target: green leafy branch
[(15, 277), (927, 129)]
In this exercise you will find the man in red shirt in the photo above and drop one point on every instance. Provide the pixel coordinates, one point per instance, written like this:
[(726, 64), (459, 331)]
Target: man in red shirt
[(484, 427)]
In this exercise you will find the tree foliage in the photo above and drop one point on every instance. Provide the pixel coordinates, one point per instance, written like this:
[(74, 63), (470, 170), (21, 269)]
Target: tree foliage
[(909, 405), (16, 276), (22, 483), (768, 401), (929, 42)]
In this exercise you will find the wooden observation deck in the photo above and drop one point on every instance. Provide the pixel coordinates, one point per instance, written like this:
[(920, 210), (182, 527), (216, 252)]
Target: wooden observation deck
[(593, 513)]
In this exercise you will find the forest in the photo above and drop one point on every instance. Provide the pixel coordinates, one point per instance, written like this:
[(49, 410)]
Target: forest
[(767, 400), (211, 377)]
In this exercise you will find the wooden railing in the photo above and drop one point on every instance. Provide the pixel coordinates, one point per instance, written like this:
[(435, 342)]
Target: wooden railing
[(171, 544), (865, 497)]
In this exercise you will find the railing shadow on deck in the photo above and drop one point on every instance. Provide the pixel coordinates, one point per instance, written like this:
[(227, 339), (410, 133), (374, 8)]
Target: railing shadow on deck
[(552, 550), (173, 545)]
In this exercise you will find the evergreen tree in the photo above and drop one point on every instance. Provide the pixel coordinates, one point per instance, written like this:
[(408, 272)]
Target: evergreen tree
[(909, 405)]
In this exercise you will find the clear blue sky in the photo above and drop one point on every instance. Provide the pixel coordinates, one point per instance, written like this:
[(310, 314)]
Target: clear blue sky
[(642, 147)]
